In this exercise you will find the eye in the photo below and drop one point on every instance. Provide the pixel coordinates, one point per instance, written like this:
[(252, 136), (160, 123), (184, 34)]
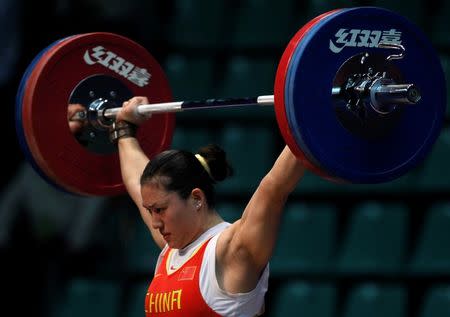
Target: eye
[(156, 210)]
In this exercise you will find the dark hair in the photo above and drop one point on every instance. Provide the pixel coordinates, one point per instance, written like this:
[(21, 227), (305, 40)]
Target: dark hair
[(180, 171)]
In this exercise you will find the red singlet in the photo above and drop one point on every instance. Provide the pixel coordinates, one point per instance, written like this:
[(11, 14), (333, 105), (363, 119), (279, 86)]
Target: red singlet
[(178, 293)]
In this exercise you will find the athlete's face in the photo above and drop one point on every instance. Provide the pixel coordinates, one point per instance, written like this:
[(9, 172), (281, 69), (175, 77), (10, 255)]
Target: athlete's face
[(175, 218)]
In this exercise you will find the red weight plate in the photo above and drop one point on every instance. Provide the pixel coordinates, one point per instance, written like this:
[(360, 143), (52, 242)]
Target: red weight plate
[(58, 72), (42, 169), (18, 115), (279, 91)]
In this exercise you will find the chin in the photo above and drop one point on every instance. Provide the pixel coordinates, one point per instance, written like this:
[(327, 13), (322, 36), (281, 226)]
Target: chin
[(174, 245)]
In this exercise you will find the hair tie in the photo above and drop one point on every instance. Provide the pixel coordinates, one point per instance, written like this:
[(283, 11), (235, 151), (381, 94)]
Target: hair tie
[(202, 161)]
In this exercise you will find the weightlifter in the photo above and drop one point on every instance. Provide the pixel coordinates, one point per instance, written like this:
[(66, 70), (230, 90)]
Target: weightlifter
[(207, 267)]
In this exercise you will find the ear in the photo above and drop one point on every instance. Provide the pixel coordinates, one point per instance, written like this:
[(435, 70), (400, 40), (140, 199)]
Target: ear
[(198, 197)]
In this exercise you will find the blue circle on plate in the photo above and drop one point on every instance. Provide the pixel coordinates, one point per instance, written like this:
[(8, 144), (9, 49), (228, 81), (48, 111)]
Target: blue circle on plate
[(309, 105), (18, 115)]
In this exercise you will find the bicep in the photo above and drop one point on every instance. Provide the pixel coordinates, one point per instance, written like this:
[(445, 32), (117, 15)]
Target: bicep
[(257, 231), (244, 249)]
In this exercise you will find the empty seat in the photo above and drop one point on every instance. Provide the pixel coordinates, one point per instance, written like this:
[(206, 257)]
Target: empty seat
[(440, 24), (376, 239), (247, 77), (436, 302), (199, 23), (189, 77), (432, 254), (372, 300), (250, 150), (192, 138), (263, 23), (85, 297), (299, 298), (434, 174), (306, 241)]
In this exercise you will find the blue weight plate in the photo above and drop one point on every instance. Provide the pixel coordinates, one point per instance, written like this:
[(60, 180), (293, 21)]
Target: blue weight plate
[(19, 119), (310, 108), (288, 107)]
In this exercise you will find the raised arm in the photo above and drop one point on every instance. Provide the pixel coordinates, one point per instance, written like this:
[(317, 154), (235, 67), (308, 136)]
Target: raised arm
[(245, 249), (132, 162)]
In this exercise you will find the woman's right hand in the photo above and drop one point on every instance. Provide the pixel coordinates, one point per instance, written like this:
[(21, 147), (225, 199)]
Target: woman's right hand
[(129, 111)]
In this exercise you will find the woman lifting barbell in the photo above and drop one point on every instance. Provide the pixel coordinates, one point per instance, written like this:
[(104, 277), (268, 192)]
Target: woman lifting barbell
[(207, 267)]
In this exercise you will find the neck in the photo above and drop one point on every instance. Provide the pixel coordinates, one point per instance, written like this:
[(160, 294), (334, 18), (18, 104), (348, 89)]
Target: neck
[(211, 219)]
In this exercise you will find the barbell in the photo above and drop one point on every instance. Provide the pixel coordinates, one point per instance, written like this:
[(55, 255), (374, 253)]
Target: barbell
[(359, 97)]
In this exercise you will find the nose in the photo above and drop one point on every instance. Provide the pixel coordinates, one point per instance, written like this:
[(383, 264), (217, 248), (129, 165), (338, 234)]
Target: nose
[(156, 221)]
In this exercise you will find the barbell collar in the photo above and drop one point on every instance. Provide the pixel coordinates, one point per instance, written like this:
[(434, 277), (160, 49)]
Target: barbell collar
[(403, 94)]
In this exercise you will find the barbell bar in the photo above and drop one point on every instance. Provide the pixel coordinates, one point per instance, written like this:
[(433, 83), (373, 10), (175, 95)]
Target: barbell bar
[(381, 95)]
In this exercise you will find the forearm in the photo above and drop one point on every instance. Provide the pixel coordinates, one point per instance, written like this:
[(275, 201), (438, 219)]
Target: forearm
[(132, 163), (274, 189), (285, 173)]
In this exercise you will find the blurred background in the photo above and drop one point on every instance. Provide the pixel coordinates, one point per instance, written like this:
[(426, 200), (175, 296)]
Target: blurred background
[(343, 250)]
